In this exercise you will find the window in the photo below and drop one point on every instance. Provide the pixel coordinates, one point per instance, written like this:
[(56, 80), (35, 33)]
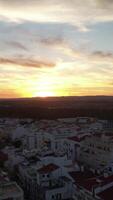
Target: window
[(110, 169), (59, 196)]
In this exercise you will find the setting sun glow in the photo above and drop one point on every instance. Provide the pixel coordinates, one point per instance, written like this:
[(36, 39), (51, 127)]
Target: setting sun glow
[(62, 48), (45, 94)]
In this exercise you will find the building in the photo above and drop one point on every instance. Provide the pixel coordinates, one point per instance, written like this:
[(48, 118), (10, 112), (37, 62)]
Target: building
[(89, 186), (44, 182), (52, 185), (97, 150), (10, 191), (3, 158)]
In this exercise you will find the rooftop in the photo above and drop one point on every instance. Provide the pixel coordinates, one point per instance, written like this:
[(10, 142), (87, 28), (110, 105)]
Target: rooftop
[(88, 180), (79, 138), (48, 168), (79, 176), (3, 156), (9, 190), (106, 194)]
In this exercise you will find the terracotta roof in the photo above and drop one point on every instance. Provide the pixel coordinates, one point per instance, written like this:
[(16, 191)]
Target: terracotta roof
[(98, 181), (3, 156), (106, 180), (77, 139), (89, 184), (87, 180), (109, 134), (81, 176), (48, 168), (106, 194)]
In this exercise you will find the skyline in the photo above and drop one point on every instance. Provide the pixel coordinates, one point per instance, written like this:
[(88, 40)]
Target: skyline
[(56, 48)]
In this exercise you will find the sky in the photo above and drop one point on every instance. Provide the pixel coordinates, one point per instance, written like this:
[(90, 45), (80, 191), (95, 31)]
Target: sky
[(56, 48)]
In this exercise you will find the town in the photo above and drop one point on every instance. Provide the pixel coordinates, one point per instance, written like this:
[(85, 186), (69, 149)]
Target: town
[(63, 159)]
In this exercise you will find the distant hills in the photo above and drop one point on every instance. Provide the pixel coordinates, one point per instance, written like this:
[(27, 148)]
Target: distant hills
[(55, 107)]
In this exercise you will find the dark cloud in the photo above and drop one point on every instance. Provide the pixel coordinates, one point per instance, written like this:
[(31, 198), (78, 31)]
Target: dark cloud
[(102, 55), (26, 62), (52, 41), (16, 45)]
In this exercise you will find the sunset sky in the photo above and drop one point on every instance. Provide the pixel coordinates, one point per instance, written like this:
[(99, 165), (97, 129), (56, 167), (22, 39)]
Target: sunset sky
[(56, 48)]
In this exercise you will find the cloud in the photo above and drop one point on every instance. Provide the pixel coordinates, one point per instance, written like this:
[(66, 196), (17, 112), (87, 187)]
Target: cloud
[(104, 3), (80, 13), (101, 60), (16, 45), (105, 59), (40, 34), (95, 56), (24, 62), (102, 55), (52, 41)]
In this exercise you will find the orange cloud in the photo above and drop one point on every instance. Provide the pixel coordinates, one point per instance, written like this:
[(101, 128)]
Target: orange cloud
[(26, 62)]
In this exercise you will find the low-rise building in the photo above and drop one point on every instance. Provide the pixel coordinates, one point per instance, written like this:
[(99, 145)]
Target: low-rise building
[(10, 191), (52, 185), (97, 150)]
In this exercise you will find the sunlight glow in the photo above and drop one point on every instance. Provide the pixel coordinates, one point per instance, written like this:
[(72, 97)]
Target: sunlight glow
[(45, 94)]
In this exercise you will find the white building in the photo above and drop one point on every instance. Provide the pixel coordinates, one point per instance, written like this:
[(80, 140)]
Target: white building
[(44, 181), (97, 150), (14, 157), (52, 185), (18, 133)]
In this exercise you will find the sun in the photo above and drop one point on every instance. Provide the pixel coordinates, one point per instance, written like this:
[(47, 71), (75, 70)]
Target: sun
[(44, 87), (45, 94)]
